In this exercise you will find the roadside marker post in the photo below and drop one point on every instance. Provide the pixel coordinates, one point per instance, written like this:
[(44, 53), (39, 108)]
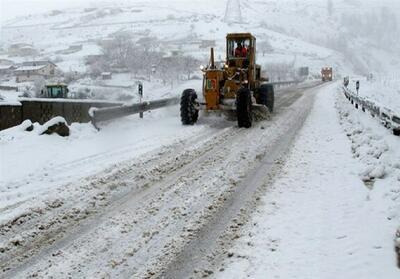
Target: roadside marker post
[(357, 86), (140, 92)]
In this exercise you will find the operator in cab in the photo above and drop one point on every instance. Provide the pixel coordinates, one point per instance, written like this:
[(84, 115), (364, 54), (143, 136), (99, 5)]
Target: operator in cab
[(240, 51)]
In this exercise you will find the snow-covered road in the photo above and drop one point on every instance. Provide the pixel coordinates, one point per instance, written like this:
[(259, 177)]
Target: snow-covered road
[(139, 215), (319, 220)]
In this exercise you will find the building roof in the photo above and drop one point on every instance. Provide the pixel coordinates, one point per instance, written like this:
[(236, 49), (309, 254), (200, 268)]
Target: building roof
[(29, 68), (37, 63), (6, 67), (6, 61), (19, 45), (235, 36)]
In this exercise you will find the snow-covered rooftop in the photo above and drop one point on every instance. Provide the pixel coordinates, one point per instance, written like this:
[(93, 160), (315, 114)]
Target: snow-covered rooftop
[(30, 68)]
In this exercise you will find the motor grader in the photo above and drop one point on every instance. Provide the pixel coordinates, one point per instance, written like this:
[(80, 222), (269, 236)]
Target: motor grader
[(235, 86)]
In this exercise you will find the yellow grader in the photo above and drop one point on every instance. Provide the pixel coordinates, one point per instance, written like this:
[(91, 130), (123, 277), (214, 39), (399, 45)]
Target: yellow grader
[(234, 86)]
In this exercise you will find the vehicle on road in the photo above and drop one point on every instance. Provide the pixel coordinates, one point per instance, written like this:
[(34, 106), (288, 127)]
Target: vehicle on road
[(58, 90), (235, 86), (327, 74)]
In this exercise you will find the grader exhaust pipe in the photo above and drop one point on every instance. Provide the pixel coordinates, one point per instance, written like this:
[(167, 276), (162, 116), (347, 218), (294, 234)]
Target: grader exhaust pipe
[(212, 61)]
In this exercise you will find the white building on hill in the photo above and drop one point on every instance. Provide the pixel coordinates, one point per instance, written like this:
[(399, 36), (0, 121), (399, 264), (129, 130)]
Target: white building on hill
[(32, 70)]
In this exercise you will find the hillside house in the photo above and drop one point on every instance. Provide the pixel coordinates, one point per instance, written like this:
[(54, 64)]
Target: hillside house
[(32, 70), (106, 75)]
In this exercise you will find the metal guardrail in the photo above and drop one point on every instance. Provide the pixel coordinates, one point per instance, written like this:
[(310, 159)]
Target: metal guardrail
[(388, 118), (284, 83), (106, 114)]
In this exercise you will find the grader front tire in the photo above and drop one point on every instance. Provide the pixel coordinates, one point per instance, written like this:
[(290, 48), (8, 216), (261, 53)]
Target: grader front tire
[(189, 112), (243, 108)]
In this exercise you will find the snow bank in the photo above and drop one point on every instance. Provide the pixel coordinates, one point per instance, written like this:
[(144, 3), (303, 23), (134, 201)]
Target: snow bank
[(26, 125), (56, 125), (372, 144), (51, 122)]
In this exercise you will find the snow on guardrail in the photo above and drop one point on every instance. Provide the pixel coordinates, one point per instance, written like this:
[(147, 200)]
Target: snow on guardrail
[(388, 117), (105, 114)]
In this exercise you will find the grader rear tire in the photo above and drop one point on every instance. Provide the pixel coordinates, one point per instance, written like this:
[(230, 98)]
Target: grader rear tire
[(243, 108), (189, 112)]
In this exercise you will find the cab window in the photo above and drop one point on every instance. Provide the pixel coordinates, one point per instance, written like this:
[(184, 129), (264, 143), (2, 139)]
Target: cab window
[(238, 49)]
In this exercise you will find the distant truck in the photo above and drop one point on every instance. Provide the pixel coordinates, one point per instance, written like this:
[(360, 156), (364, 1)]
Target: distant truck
[(327, 74)]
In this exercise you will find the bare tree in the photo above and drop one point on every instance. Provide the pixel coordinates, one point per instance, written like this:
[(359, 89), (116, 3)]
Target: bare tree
[(188, 64), (117, 51), (264, 47), (148, 44), (142, 58)]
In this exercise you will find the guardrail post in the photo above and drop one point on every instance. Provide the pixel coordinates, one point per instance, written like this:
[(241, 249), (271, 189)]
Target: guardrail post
[(357, 86)]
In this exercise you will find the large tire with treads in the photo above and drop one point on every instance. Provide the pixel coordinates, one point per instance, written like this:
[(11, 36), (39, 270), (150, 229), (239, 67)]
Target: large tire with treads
[(266, 96), (243, 108), (189, 111)]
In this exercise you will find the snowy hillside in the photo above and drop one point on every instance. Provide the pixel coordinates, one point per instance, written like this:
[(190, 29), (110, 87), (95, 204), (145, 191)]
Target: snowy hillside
[(311, 33), (278, 22)]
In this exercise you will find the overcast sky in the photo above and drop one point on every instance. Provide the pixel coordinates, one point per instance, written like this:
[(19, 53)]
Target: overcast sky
[(12, 8)]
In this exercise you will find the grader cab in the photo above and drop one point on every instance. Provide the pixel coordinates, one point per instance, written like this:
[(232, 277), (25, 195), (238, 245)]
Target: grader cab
[(235, 86)]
